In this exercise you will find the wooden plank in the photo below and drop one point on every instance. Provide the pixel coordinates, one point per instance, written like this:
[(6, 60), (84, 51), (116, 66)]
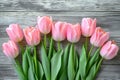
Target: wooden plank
[(7, 72), (59, 5), (107, 20), (107, 72)]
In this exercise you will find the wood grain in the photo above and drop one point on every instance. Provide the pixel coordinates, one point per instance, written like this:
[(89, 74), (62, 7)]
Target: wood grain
[(60, 5), (25, 12)]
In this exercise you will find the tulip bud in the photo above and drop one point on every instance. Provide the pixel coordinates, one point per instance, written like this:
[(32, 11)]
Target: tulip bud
[(10, 49), (59, 31), (44, 24), (88, 26), (109, 50), (14, 32), (99, 37), (73, 33), (32, 35)]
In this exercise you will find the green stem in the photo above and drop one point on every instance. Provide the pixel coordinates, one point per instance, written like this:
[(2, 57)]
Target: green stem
[(86, 43), (45, 40), (99, 64), (90, 51), (22, 48), (73, 49), (35, 59), (50, 48), (58, 44)]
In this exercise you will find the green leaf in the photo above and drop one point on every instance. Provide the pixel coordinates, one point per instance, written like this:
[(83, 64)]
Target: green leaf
[(25, 64), (77, 68), (35, 76), (28, 55), (65, 56), (76, 61), (51, 48), (31, 70), (98, 65), (45, 62), (64, 75), (19, 70), (30, 59), (93, 59), (41, 72), (95, 66), (35, 61), (56, 64), (92, 72), (77, 75), (31, 74), (71, 64), (83, 63)]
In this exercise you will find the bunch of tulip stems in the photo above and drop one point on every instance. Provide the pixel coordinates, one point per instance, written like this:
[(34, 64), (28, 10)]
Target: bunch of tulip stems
[(45, 58)]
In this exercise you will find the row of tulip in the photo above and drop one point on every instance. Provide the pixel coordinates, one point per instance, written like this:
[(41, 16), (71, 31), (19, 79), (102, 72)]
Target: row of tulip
[(61, 64)]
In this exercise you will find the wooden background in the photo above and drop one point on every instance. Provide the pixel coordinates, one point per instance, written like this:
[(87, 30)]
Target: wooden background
[(25, 12)]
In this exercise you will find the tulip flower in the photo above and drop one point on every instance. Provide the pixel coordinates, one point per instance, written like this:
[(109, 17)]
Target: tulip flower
[(73, 33), (14, 32), (88, 26), (109, 50), (99, 37), (32, 35), (59, 31), (44, 24), (10, 49)]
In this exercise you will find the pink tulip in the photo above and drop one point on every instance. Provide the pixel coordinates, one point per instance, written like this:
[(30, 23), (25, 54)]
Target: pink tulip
[(73, 33), (14, 32), (99, 37), (10, 49), (109, 50), (32, 35), (44, 24), (59, 31), (88, 26)]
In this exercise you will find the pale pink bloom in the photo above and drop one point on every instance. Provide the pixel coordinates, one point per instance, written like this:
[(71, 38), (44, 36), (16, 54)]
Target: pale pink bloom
[(15, 32), (73, 33), (88, 26), (10, 49), (44, 24), (99, 37), (109, 50), (59, 31), (32, 35)]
